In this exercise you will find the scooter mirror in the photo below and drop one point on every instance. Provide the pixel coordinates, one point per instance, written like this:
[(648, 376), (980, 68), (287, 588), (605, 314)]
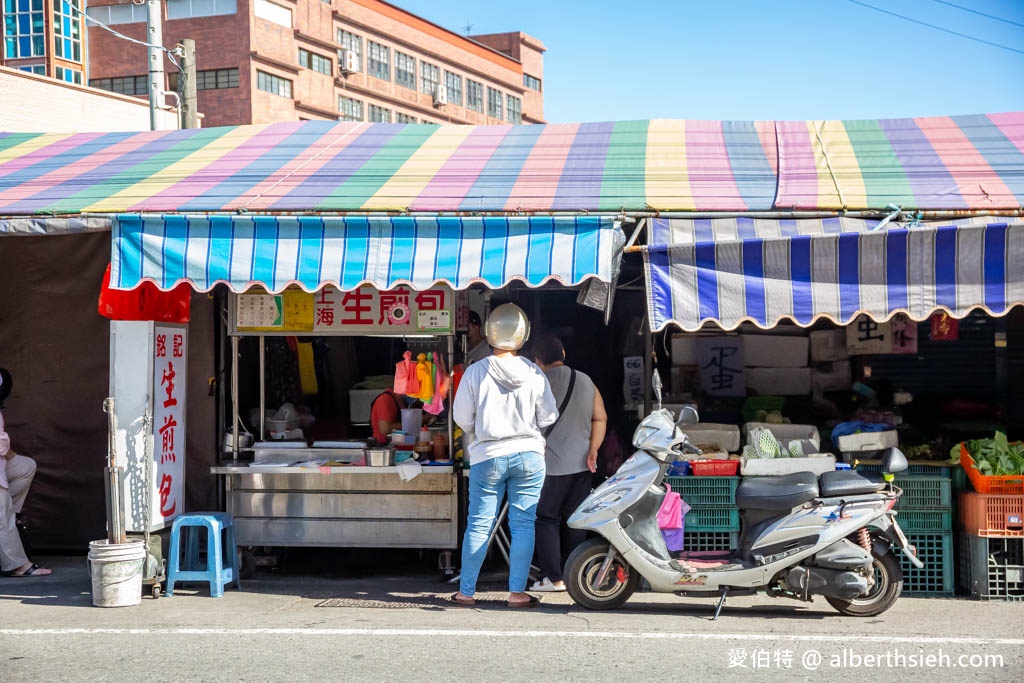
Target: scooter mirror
[(688, 415), (894, 461), (656, 386)]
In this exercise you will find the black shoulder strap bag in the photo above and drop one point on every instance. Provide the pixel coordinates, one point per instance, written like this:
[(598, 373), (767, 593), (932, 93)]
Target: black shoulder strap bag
[(561, 408)]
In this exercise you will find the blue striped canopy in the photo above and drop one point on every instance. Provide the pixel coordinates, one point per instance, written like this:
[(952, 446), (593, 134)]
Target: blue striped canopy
[(312, 251), (731, 271)]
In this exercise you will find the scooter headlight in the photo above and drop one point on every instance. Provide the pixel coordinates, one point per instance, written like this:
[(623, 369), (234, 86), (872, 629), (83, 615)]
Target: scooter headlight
[(643, 434)]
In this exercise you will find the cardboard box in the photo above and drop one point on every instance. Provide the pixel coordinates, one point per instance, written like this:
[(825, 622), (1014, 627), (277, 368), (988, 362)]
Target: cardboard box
[(769, 351), (727, 437), (828, 345), (785, 432), (818, 463), (869, 441), (359, 401), (779, 381), (834, 376)]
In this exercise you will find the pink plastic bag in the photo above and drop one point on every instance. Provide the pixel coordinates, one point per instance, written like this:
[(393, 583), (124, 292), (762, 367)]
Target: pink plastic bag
[(406, 381), (670, 514)]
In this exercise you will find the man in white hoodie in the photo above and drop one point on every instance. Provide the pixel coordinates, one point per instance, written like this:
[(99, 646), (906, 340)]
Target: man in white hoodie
[(502, 405)]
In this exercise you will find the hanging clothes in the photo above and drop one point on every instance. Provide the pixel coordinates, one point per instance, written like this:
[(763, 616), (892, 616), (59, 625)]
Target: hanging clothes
[(406, 380), (425, 376), (457, 373), (441, 384)]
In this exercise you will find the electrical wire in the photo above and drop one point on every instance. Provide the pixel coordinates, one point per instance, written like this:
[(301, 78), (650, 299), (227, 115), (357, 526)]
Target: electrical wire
[(169, 53), (980, 14), (937, 28)]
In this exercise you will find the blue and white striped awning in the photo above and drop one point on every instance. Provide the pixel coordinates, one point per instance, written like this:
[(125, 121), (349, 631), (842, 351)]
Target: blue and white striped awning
[(312, 251), (731, 271)]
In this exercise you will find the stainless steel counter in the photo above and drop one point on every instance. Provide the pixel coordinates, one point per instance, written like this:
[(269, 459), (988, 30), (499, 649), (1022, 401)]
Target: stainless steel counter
[(348, 506)]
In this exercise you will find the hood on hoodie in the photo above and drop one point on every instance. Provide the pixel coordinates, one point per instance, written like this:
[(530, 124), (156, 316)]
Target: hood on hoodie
[(510, 372)]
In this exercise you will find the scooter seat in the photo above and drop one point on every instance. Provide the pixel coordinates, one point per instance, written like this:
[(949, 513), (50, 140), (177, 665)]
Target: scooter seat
[(776, 493), (847, 483)]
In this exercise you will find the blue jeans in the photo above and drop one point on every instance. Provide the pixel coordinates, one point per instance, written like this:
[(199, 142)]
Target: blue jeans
[(521, 475)]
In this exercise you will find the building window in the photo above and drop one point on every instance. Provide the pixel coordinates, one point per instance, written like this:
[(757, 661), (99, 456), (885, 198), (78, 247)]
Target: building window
[(513, 109), (349, 109), (68, 75), (531, 82), (454, 84), (186, 9), (67, 30), (405, 70), (39, 69), (125, 85), (112, 15), (274, 13), (24, 28), (379, 114), (404, 118), (430, 78), (350, 41), (494, 102), (212, 79), (378, 63), (314, 61), (273, 84), (474, 96)]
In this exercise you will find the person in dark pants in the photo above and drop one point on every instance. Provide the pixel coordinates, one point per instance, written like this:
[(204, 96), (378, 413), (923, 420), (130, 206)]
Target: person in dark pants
[(570, 457)]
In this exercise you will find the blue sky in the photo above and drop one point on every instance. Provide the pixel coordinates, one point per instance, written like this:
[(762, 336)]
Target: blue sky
[(759, 59)]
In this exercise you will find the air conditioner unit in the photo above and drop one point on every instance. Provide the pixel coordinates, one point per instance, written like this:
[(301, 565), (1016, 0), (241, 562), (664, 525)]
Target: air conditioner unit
[(440, 96), (348, 62)]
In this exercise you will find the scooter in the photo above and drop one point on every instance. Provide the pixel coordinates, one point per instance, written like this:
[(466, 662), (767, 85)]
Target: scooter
[(801, 535)]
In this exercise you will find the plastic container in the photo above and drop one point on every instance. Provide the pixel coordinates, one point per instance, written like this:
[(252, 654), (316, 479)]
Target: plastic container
[(983, 483), (715, 468), (712, 519), (991, 516), (706, 491), (925, 521), (991, 568), (116, 572), (710, 540), (424, 436), (925, 493), (935, 550), (412, 420)]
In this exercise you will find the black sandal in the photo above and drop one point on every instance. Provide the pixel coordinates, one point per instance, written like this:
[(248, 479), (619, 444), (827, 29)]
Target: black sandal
[(519, 604), (461, 602)]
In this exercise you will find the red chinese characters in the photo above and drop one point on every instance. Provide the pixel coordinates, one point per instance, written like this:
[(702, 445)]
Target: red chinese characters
[(167, 439), (167, 504), (356, 304)]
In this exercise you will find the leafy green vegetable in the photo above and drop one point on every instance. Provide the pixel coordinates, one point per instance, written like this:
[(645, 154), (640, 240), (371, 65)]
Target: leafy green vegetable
[(997, 456)]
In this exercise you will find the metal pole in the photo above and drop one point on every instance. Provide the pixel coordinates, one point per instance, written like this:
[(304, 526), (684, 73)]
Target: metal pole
[(235, 426), (263, 387), (155, 38), (189, 115)]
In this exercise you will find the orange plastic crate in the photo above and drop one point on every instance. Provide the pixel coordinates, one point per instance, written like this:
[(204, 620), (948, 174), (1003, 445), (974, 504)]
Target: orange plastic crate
[(992, 516), (715, 468), (1003, 485)]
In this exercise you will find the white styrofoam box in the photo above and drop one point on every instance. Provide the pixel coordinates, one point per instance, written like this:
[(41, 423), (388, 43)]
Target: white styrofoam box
[(833, 376), (818, 463), (770, 351), (726, 436), (785, 432), (828, 345), (779, 381), (684, 349), (359, 401), (869, 441)]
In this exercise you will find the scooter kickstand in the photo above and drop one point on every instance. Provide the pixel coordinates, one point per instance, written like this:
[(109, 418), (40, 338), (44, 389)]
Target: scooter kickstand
[(721, 603)]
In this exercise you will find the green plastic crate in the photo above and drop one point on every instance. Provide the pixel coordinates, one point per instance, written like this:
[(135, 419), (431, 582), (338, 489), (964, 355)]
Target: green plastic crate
[(710, 540), (706, 491), (915, 470), (925, 521), (712, 519), (925, 493), (991, 568), (936, 577)]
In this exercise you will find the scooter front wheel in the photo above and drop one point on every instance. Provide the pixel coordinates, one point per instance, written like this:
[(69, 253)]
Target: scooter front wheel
[(582, 571)]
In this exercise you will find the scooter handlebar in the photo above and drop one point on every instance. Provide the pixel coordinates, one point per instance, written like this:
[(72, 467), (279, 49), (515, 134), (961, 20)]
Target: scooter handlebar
[(689, 448)]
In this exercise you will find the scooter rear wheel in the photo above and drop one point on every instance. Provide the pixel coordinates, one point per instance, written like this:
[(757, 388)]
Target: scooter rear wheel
[(582, 568), (888, 586)]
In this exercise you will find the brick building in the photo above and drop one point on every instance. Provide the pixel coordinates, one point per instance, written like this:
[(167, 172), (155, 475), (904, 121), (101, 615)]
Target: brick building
[(262, 61), (44, 37)]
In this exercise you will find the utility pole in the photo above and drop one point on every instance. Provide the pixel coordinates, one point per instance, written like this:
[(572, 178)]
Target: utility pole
[(155, 38), (187, 52)]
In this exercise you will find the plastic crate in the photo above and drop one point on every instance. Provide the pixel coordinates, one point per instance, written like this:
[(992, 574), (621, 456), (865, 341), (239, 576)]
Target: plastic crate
[(991, 568), (706, 491), (936, 577), (992, 516), (715, 468), (712, 519), (1003, 485), (925, 521), (710, 540), (916, 469), (925, 493)]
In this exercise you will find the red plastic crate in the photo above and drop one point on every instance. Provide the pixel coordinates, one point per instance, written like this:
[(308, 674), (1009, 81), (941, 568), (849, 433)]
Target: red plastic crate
[(992, 516), (715, 468), (989, 484)]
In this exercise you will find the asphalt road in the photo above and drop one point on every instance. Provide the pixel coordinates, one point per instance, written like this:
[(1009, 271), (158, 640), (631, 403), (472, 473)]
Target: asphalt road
[(299, 627)]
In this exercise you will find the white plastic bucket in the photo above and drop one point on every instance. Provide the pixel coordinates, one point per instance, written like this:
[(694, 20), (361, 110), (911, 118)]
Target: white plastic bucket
[(412, 420), (116, 572)]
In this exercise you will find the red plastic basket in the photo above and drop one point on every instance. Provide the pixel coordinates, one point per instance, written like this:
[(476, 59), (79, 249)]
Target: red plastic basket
[(983, 483), (992, 516), (714, 468)]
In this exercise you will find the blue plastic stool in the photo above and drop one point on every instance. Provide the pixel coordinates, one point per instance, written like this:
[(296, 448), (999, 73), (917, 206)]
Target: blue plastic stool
[(221, 562)]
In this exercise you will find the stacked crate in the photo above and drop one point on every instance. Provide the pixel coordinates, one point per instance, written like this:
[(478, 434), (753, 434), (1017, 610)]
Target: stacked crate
[(991, 552), (713, 522)]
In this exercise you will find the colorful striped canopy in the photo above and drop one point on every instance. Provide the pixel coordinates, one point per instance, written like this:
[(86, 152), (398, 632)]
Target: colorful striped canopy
[(312, 251), (728, 272), (942, 163)]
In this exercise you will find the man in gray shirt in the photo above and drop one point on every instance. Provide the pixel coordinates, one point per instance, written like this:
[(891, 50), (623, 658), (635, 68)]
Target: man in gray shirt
[(570, 457)]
